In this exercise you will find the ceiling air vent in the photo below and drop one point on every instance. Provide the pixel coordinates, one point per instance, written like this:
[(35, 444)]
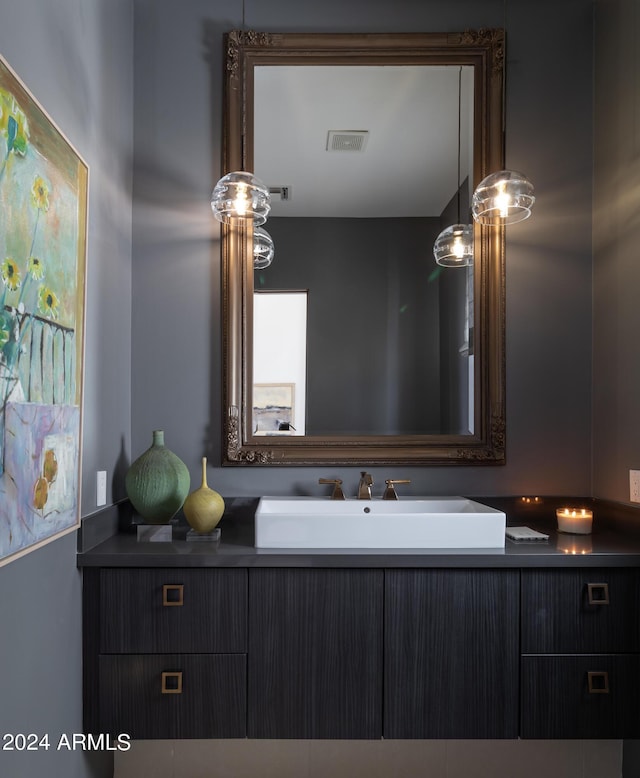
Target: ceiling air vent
[(347, 140)]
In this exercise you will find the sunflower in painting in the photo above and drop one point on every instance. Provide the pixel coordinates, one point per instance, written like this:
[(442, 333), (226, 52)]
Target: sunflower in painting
[(40, 194), (35, 268), (10, 273), (48, 302)]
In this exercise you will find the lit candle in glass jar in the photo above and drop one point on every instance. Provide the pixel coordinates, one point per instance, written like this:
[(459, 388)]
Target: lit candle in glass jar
[(577, 521)]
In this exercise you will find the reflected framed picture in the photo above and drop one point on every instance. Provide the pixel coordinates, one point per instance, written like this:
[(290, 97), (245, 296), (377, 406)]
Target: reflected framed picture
[(43, 241), (273, 409)]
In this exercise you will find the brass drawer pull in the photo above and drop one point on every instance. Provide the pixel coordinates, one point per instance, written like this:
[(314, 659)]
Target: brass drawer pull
[(598, 682), (598, 593), (173, 594), (172, 683)]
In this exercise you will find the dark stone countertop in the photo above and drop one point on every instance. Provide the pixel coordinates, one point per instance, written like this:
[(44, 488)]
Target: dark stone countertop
[(615, 542)]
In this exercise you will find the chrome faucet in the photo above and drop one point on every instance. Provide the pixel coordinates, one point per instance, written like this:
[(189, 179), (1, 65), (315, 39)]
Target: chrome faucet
[(364, 487)]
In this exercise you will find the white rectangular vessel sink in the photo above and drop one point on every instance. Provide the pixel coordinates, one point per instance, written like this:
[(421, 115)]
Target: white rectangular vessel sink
[(419, 522)]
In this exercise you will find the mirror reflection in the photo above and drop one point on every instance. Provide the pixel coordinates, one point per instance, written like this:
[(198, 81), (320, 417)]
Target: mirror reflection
[(352, 344), (364, 164)]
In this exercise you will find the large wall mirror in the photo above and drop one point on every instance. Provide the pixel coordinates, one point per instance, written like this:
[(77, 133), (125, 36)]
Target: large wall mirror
[(353, 347)]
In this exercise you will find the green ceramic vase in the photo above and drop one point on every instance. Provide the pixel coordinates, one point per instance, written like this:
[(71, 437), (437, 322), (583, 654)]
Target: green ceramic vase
[(157, 483)]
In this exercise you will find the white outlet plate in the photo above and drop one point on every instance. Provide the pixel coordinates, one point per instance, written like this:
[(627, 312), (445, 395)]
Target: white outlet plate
[(101, 488), (634, 485)]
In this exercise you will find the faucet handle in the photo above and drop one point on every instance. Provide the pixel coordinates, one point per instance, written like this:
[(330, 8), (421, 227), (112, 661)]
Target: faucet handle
[(337, 494), (390, 492)]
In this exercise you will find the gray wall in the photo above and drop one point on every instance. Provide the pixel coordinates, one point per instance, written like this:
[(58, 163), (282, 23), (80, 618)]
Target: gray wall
[(176, 270), (76, 57), (616, 259)]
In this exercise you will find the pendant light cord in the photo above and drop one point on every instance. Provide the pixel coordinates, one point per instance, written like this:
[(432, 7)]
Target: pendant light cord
[(243, 135), (504, 74), (459, 133)]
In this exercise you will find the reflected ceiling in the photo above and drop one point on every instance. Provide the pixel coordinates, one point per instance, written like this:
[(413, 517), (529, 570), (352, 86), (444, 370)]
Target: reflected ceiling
[(407, 143)]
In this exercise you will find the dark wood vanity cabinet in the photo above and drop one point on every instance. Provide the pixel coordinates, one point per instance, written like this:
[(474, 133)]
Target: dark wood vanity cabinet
[(315, 653), (360, 653), (580, 667), (451, 654), (165, 652), (450, 642)]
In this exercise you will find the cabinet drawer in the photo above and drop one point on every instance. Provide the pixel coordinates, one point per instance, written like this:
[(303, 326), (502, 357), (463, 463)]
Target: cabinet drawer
[(560, 700), (580, 611), (173, 610), (173, 696)]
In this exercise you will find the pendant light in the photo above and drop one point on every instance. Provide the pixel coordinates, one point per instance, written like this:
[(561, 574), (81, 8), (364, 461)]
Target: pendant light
[(241, 195), (263, 249), (454, 245), (505, 197)]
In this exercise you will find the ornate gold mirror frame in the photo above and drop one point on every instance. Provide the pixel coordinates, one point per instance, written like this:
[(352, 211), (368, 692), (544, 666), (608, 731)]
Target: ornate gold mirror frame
[(482, 49)]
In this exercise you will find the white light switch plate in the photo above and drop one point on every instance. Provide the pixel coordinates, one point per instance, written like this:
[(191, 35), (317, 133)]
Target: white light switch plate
[(101, 488), (634, 485)]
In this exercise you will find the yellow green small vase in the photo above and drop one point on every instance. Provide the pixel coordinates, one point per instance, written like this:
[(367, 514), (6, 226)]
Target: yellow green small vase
[(204, 507)]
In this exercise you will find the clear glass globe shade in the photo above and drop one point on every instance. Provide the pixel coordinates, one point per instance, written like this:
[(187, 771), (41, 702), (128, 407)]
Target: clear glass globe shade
[(454, 246), (505, 197), (240, 195), (263, 249)]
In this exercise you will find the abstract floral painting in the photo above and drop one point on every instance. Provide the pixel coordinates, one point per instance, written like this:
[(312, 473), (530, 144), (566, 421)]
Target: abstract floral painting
[(43, 223)]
